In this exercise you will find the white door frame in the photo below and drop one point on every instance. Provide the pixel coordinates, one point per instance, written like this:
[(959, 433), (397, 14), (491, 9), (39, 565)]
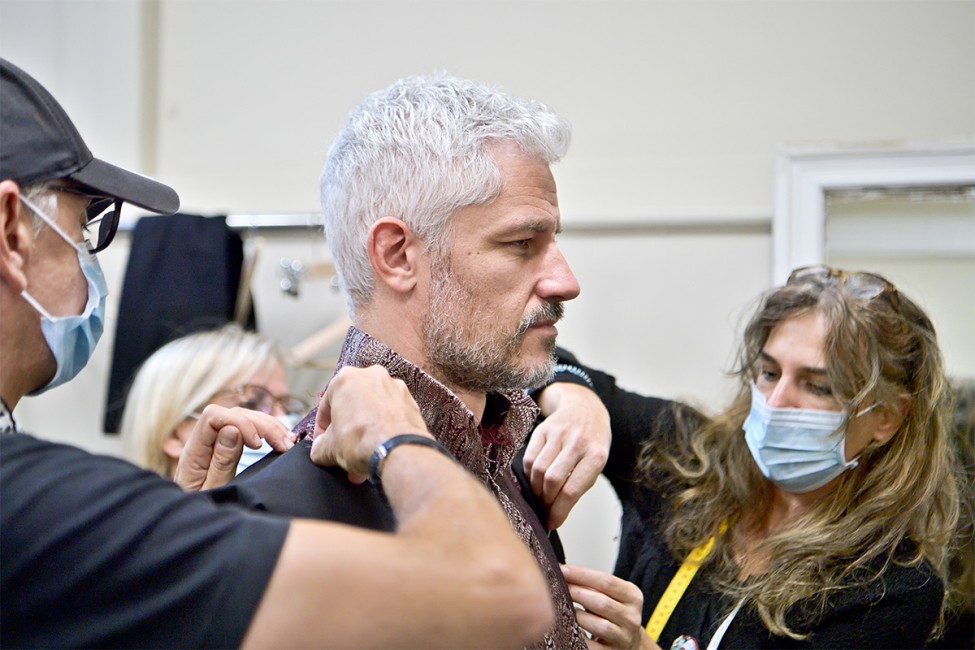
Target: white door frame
[(804, 174)]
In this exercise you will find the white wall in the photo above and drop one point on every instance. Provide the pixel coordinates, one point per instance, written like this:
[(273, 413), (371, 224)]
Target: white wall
[(89, 55), (678, 108)]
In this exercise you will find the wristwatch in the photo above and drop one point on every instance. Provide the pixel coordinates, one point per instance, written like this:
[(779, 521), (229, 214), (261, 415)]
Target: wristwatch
[(378, 457)]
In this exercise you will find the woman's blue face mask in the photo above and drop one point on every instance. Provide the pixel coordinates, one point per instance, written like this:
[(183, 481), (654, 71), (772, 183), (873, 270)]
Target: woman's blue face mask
[(72, 339), (797, 449)]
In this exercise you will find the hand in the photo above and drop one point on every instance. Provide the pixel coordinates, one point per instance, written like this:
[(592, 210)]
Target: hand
[(211, 453), (569, 449), (612, 609), (361, 409)]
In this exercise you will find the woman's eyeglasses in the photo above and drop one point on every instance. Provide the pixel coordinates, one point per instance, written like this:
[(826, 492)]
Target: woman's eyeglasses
[(259, 398), (861, 284)]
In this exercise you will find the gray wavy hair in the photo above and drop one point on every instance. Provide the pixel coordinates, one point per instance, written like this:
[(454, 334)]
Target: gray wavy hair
[(418, 151)]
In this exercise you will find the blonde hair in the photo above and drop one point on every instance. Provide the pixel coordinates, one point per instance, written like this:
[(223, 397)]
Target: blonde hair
[(183, 376), (877, 348)]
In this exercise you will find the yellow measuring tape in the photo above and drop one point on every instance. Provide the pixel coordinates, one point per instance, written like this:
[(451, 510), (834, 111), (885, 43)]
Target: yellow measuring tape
[(678, 585)]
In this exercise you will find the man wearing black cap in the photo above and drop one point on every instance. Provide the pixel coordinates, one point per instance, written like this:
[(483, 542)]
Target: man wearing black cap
[(98, 553)]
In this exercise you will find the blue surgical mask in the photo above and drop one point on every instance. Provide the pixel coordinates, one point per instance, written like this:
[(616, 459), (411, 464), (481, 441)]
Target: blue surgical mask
[(72, 339), (797, 449)]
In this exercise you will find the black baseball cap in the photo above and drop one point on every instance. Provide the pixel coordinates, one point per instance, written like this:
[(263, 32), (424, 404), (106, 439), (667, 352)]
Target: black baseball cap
[(39, 143)]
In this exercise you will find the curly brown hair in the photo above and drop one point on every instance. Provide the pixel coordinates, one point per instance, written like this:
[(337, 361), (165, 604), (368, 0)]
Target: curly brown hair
[(879, 345)]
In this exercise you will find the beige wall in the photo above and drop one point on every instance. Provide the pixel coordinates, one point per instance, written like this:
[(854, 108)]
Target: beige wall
[(678, 108)]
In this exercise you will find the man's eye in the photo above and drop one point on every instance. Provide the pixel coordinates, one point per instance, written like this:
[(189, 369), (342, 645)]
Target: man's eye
[(521, 243)]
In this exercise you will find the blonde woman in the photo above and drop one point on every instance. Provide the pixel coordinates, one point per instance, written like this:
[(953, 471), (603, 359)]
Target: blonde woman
[(815, 512), (228, 367)]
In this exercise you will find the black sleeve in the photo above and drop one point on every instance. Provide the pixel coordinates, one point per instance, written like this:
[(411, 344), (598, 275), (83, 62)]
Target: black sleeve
[(99, 553), (291, 484)]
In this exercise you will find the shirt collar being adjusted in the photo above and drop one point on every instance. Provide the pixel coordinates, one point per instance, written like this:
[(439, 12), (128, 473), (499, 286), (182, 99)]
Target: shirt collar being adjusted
[(486, 448)]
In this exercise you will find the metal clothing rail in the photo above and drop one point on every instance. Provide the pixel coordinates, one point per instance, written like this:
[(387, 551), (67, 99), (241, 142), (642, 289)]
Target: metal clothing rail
[(274, 221), (717, 225), (292, 221)]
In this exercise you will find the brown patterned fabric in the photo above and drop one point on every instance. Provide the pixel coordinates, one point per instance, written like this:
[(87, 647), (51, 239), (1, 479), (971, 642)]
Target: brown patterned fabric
[(486, 450)]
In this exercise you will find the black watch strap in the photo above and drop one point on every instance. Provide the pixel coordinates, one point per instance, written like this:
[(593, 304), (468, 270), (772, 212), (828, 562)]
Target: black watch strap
[(379, 456)]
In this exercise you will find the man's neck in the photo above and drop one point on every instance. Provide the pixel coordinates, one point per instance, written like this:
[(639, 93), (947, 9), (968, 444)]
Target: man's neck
[(11, 376), (473, 400), (406, 343), (26, 363)]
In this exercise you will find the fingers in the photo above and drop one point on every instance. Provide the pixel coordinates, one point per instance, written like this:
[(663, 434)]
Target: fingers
[(579, 481), (534, 447), (210, 456), (228, 446), (612, 607), (323, 416), (272, 430), (545, 446), (566, 464), (323, 448), (605, 583), (361, 408), (569, 449), (213, 442)]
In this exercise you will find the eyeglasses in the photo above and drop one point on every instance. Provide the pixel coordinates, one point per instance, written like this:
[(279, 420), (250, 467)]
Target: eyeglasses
[(861, 284), (259, 398), (103, 217)]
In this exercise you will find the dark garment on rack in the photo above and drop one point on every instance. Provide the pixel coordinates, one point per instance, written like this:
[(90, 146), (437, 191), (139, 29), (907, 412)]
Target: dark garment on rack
[(183, 275)]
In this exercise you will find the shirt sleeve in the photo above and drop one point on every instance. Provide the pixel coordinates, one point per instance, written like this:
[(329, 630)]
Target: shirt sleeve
[(99, 553)]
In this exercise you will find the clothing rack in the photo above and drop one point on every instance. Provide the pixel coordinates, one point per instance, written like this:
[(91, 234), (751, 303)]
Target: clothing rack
[(244, 222), (659, 225), (275, 221), (304, 352)]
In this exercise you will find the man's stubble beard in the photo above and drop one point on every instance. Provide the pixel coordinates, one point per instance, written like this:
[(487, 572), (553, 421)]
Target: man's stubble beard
[(468, 348)]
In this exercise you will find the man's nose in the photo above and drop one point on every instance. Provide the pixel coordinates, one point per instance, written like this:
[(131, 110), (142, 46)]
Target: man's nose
[(559, 283)]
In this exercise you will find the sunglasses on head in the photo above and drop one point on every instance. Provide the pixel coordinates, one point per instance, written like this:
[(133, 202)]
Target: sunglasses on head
[(861, 284)]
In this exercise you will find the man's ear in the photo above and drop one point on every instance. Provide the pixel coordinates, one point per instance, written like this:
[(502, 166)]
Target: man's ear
[(891, 418), (393, 252), (16, 237)]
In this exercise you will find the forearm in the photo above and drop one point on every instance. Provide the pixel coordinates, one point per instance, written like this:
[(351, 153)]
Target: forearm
[(635, 418), (453, 575)]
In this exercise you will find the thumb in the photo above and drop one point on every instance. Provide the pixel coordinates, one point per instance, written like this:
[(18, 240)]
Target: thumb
[(322, 453), (227, 449)]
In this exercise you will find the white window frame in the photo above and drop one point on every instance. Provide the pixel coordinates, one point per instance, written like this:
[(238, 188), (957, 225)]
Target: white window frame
[(804, 174)]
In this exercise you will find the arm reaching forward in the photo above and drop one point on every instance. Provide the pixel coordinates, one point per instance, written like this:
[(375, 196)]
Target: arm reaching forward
[(452, 575)]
